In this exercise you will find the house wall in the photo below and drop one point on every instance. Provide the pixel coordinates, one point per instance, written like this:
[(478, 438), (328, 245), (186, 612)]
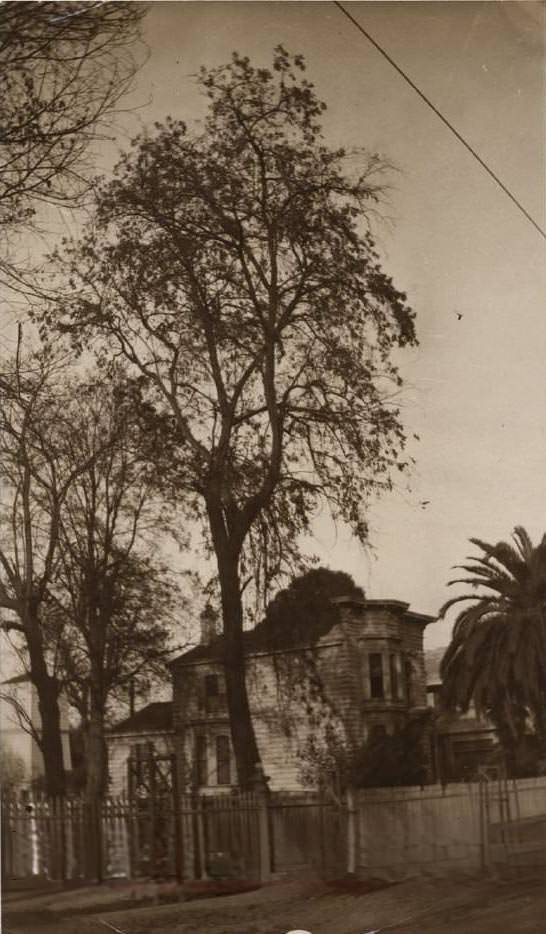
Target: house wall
[(120, 747), (287, 710)]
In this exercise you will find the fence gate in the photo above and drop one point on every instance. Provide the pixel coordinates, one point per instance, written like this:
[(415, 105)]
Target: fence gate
[(308, 836), (227, 836), (153, 808)]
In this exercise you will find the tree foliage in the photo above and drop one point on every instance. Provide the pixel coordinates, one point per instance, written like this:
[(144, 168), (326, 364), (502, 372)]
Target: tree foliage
[(497, 655), (384, 760), (235, 272), (389, 760), (301, 613)]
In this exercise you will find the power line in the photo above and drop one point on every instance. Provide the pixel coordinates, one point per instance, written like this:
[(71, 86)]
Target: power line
[(439, 114)]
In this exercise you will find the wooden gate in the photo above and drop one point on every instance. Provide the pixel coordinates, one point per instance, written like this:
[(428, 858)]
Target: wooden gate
[(228, 833), (155, 848), (308, 836)]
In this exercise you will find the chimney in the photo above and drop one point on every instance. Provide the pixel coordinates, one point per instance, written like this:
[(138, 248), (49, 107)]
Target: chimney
[(209, 624)]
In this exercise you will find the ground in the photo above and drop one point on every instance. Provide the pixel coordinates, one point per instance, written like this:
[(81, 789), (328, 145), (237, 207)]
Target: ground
[(483, 906)]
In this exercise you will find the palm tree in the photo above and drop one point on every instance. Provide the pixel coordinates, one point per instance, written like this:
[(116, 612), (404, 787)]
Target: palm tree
[(497, 654)]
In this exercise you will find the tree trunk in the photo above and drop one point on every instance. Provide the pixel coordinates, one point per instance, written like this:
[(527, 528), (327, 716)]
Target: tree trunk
[(96, 753), (247, 757), (50, 715)]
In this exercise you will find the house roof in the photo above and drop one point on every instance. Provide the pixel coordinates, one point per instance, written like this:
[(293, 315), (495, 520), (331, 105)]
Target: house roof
[(154, 718), (264, 638)]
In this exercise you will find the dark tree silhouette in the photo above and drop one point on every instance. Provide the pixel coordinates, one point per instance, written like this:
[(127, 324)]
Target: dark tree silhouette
[(112, 605), (235, 272), (64, 68), (35, 477)]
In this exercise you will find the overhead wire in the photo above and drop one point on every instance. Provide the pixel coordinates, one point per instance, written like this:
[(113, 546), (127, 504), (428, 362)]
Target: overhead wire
[(441, 116)]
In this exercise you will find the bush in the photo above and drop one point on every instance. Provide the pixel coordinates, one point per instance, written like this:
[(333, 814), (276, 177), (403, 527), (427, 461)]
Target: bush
[(387, 760)]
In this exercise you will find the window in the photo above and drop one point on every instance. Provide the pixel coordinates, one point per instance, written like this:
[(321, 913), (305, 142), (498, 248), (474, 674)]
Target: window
[(375, 662), (433, 699), (139, 765), (215, 698), (409, 681), (211, 686), (223, 760), (395, 684), (201, 768)]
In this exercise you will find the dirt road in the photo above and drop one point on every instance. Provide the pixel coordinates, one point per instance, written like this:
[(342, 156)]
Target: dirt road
[(415, 907)]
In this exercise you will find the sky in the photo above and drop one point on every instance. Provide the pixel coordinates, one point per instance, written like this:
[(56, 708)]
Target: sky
[(472, 265), (476, 387)]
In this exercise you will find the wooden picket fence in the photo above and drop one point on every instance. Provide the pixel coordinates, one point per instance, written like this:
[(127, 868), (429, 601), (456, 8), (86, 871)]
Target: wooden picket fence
[(63, 839), (251, 837)]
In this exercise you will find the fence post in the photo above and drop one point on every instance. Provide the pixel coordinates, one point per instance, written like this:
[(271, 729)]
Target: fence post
[(352, 832), (178, 842), (201, 845), (484, 828), (262, 799)]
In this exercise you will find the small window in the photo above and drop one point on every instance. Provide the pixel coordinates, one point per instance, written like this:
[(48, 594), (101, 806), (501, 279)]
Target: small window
[(140, 764), (408, 670), (377, 688), (395, 686), (201, 760), (223, 760), (212, 688)]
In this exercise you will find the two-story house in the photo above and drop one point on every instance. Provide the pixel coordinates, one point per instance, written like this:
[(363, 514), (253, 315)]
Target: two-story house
[(365, 674)]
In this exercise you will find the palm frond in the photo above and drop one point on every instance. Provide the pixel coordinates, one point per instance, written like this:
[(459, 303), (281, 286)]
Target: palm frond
[(523, 541), (504, 554), (497, 654)]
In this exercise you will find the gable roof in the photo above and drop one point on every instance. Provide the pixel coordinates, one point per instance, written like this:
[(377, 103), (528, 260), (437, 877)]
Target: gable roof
[(154, 718), (265, 638)]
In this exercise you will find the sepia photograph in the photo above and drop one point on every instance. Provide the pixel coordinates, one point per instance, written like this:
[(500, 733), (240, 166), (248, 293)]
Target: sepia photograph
[(273, 466)]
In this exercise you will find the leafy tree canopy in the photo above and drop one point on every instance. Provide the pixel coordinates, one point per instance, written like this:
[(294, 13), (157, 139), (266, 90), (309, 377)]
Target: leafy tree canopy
[(303, 612), (234, 269)]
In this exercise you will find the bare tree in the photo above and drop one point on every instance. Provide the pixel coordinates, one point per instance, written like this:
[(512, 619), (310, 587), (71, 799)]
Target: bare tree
[(112, 605), (79, 537), (235, 272), (64, 68), (34, 482)]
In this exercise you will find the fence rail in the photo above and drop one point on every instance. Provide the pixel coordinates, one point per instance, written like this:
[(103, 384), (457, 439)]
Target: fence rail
[(65, 838), (385, 833), (240, 836)]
